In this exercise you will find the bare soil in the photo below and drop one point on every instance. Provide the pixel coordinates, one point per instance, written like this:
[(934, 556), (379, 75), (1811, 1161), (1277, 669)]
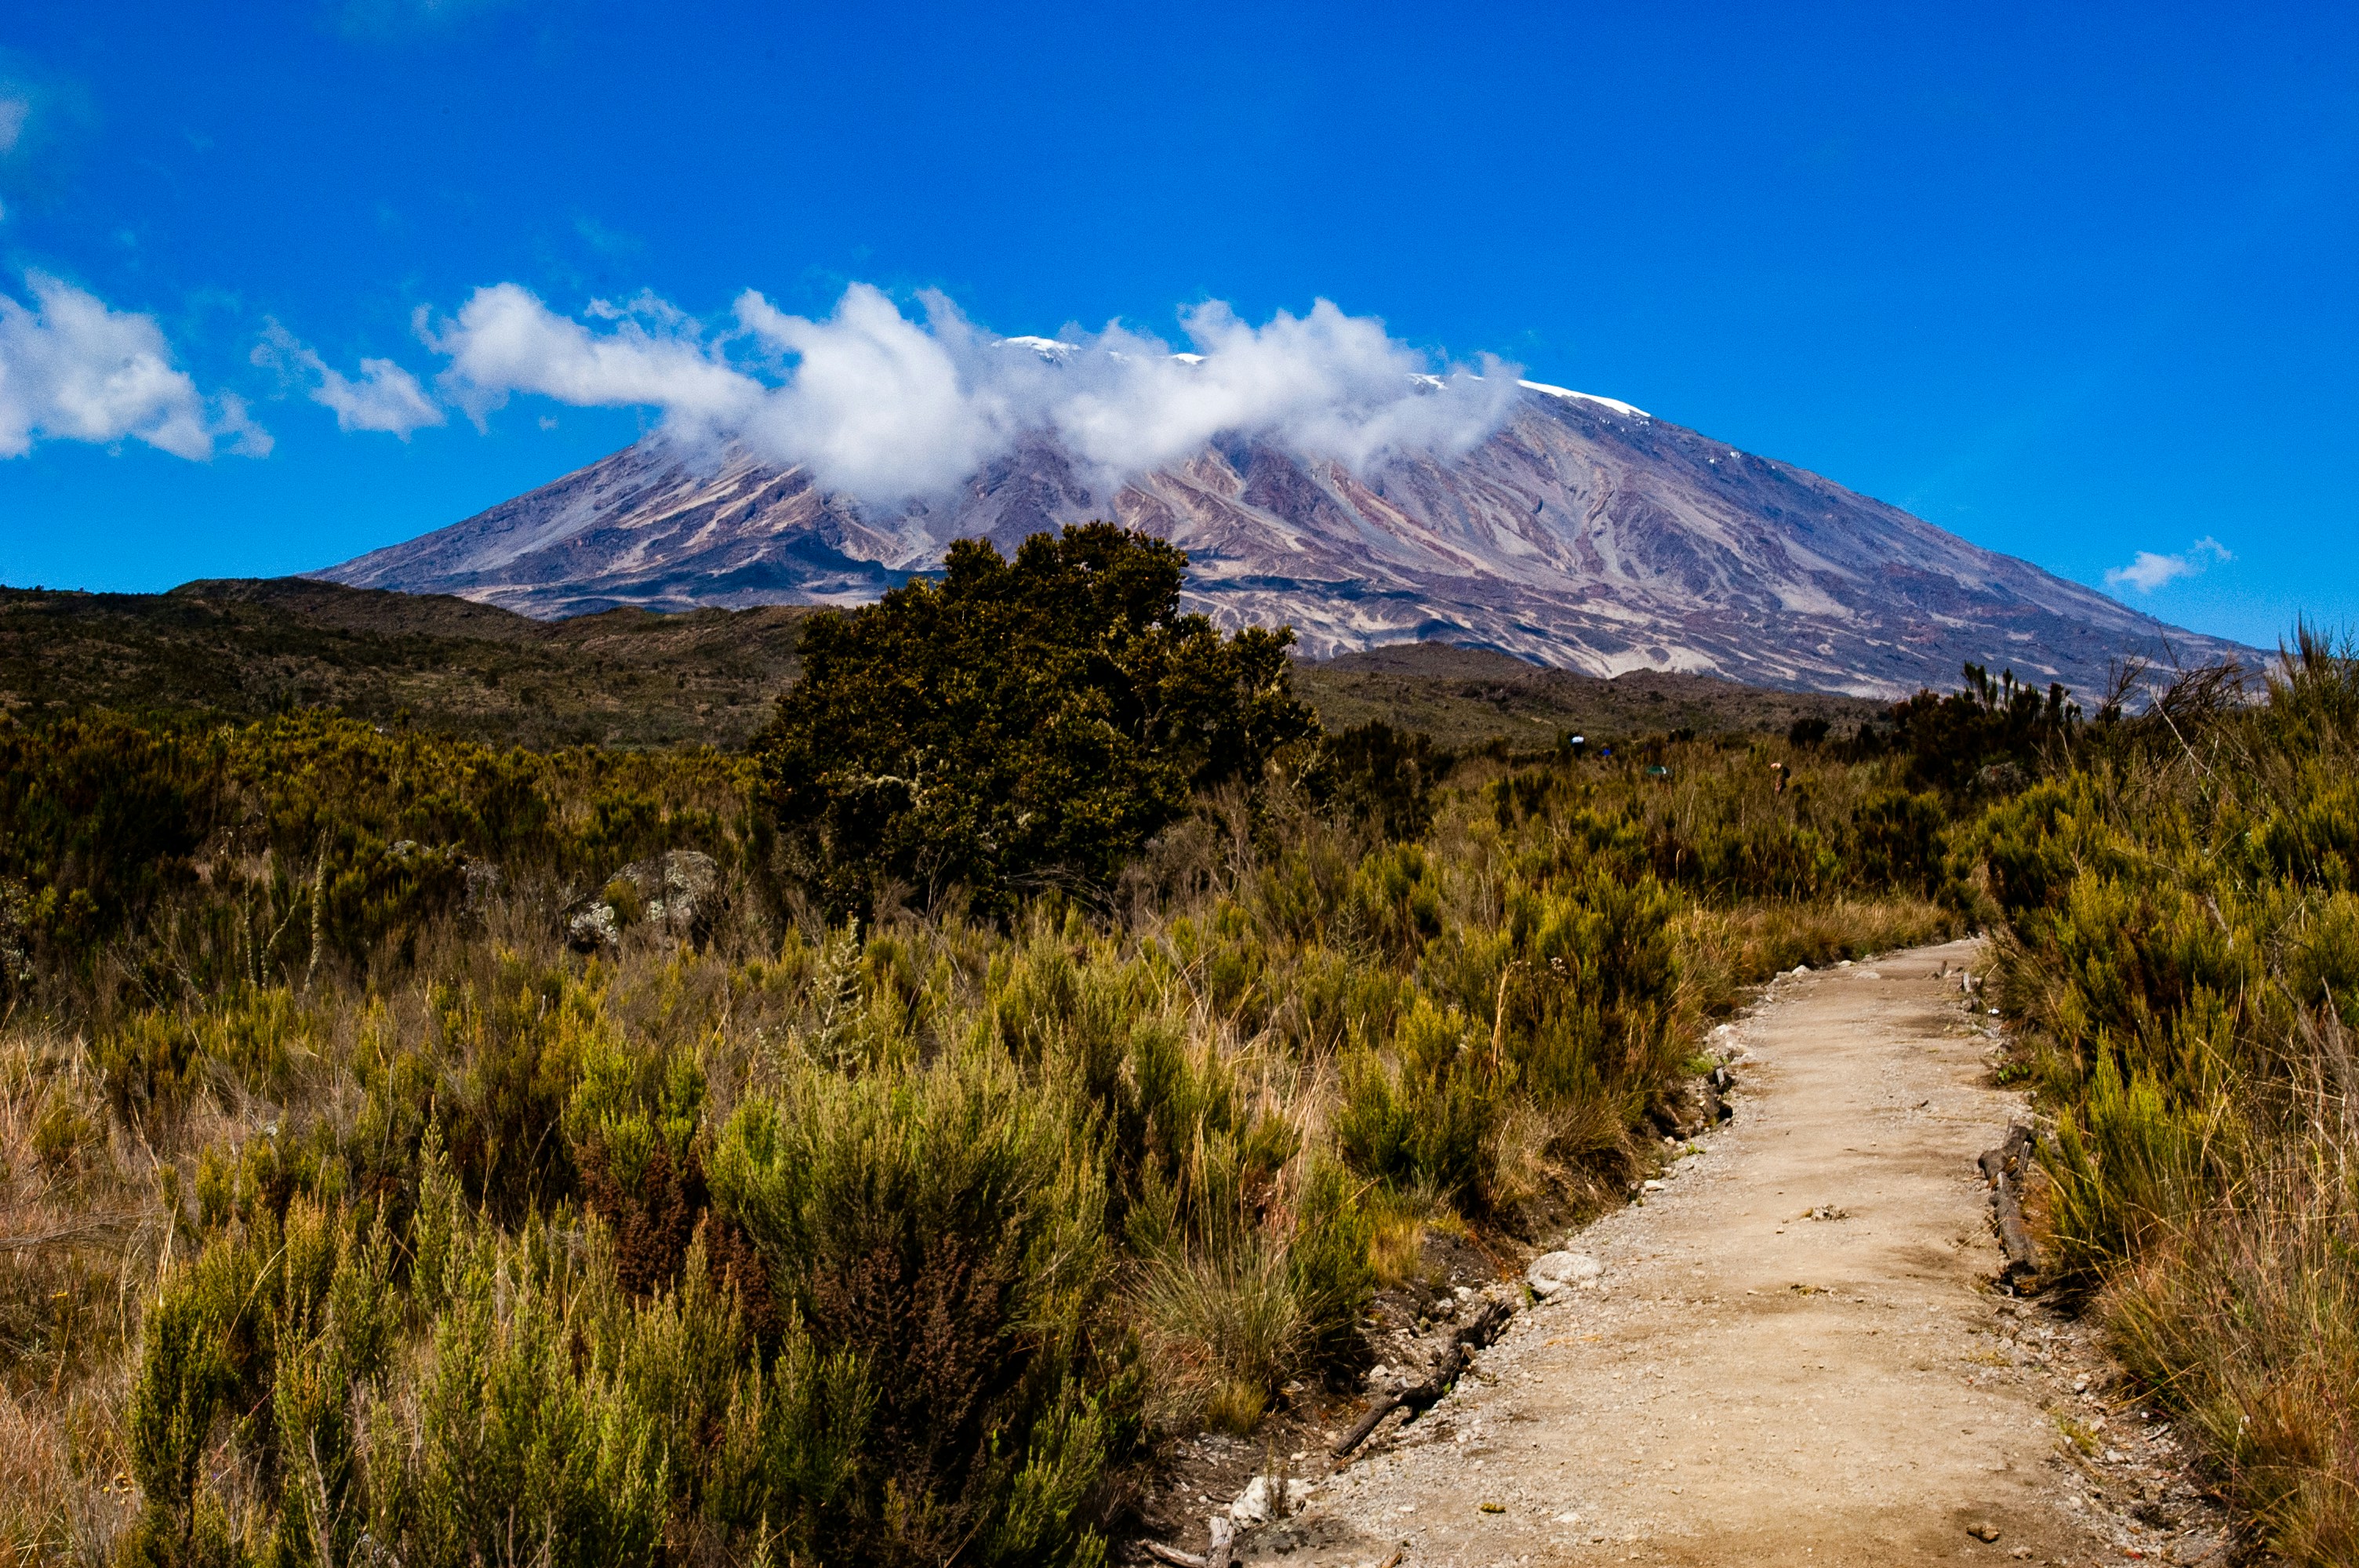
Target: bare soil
[(1747, 1384)]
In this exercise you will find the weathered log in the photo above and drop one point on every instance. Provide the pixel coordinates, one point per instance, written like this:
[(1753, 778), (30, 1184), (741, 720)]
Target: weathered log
[(2013, 1239), (1485, 1326), (1385, 1405), (1173, 1555), (2003, 1168), (1221, 1553), (1420, 1397), (1445, 1368)]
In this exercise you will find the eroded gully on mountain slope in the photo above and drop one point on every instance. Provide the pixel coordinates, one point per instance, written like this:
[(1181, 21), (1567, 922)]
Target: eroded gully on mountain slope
[(1746, 1385)]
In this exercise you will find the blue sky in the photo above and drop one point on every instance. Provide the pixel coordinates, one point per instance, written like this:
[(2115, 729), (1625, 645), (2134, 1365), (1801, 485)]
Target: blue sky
[(2076, 283)]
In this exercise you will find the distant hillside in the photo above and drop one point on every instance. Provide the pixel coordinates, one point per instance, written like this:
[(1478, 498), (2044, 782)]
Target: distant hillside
[(241, 649), (1465, 697)]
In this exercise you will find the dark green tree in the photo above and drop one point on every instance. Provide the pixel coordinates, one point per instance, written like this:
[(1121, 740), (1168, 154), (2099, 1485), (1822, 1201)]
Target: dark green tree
[(1387, 778), (1023, 723), (1990, 737)]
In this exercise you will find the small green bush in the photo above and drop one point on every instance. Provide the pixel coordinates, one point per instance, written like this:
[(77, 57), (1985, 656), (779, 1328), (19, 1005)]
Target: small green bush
[(943, 1226)]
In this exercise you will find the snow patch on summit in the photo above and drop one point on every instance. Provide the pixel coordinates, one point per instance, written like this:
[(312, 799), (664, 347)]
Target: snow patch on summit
[(1613, 403), (1048, 348)]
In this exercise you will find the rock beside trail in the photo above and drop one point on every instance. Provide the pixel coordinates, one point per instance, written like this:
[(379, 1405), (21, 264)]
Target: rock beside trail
[(1261, 1501), (675, 893), (1554, 1272)]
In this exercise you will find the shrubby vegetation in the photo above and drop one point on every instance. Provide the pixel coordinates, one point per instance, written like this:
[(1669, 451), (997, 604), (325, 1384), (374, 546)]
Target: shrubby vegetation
[(965, 1155), (236, 651), (1023, 724), (2183, 905)]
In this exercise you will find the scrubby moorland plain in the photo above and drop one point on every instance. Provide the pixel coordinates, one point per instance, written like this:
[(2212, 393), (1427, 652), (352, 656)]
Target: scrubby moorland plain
[(906, 1149)]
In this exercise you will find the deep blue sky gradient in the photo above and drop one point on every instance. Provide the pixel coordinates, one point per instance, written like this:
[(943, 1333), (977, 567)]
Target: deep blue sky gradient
[(2072, 282)]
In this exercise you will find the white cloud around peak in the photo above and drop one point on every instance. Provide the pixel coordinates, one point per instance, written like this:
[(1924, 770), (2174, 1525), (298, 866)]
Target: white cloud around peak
[(506, 340), (72, 369), (384, 397), (886, 406), (2148, 571)]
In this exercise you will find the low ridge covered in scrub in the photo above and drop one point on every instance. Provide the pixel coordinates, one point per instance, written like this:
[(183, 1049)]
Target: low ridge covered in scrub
[(867, 1149)]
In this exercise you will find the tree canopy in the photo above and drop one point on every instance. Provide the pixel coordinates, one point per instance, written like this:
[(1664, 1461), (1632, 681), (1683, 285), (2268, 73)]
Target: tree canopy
[(1021, 723)]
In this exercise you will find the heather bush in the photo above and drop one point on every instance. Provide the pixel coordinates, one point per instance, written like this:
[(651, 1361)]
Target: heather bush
[(1023, 723), (2181, 951), (943, 1226)]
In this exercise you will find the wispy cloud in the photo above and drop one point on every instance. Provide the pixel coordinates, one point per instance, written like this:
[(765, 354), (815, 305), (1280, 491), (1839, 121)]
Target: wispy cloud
[(503, 341), (606, 241), (382, 397), (884, 406), (2148, 571), (72, 369), (16, 110)]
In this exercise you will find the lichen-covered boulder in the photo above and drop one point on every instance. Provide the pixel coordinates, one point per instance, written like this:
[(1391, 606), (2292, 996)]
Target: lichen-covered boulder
[(675, 893)]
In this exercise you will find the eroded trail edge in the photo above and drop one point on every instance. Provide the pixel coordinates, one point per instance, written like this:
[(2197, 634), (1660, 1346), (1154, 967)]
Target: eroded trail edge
[(1793, 1353)]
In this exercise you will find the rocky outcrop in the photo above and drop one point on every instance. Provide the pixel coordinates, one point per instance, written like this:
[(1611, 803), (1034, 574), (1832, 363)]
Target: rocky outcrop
[(674, 893)]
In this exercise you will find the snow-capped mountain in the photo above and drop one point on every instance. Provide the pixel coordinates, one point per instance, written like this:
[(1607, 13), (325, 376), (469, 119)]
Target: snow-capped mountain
[(1582, 533)]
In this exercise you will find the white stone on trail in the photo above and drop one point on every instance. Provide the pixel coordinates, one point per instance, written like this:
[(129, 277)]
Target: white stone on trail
[(1554, 1272), (1253, 1504)]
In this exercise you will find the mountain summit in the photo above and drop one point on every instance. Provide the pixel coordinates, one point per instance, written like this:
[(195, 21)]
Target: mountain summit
[(1581, 533)]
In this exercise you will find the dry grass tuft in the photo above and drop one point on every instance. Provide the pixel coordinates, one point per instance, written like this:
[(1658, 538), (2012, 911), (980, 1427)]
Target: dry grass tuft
[(1222, 1329)]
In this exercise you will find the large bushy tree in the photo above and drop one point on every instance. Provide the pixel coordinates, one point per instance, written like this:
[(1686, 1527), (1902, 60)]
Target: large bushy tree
[(1021, 723)]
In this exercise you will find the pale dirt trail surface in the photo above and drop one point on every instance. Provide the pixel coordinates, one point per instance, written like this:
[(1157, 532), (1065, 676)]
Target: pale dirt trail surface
[(1746, 1385)]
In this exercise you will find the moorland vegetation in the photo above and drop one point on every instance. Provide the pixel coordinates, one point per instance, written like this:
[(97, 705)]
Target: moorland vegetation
[(2179, 916), (236, 650), (1071, 1037)]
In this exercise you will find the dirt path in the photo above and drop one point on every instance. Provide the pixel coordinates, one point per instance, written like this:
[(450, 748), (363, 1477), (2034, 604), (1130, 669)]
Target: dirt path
[(1746, 1385)]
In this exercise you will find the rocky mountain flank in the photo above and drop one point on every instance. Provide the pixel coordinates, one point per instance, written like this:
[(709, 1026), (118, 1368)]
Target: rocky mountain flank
[(1583, 533)]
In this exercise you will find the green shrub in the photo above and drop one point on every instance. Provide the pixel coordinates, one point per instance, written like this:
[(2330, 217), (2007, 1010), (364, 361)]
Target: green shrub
[(521, 1045), (1420, 1118), (1027, 722), (515, 1444), (101, 818), (943, 1226), (1900, 840), (1328, 1272), (2180, 945), (1385, 778)]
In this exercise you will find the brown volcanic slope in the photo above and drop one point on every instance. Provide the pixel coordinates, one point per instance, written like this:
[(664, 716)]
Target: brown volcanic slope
[(1582, 534)]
